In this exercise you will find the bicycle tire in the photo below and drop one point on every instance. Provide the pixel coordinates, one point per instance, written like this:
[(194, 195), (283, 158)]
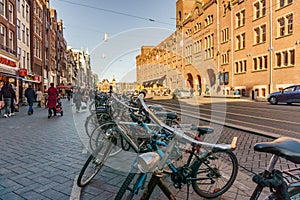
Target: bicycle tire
[(102, 133), (295, 193), (95, 161), (227, 171), (90, 124), (127, 191)]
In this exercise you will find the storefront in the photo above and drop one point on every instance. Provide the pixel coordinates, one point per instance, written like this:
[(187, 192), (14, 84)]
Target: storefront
[(9, 72)]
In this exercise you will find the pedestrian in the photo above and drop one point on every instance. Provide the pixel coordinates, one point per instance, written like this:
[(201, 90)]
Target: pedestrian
[(13, 103), (7, 93), (52, 99), (30, 95), (77, 99), (39, 97)]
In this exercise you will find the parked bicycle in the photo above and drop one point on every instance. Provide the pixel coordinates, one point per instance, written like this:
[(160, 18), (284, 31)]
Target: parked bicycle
[(107, 140), (150, 161), (283, 184), (202, 169)]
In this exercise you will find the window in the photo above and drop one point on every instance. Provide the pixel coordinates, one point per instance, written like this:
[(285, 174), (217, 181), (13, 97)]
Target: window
[(240, 66), (188, 50), (11, 40), (209, 46), (260, 34), (292, 57), (283, 3), (225, 35), (198, 46), (23, 9), (27, 37), (285, 58), (2, 7), (240, 41), (240, 18), (281, 26), (197, 27), (260, 63), (3, 35), (290, 23), (23, 33), (27, 13), (285, 25), (225, 58), (10, 13), (209, 20), (259, 9), (18, 30)]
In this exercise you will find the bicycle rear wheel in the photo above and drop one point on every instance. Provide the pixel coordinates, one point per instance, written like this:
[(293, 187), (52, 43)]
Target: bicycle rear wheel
[(95, 162), (214, 174)]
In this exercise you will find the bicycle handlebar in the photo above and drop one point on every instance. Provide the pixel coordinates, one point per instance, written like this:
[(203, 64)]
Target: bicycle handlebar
[(180, 133)]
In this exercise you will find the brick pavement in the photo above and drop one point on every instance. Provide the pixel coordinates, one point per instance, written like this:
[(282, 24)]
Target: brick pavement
[(41, 157)]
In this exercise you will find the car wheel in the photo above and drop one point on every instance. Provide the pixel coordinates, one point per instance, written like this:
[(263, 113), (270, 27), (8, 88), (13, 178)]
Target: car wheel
[(273, 100)]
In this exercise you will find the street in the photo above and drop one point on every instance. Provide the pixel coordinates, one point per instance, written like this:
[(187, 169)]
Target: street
[(41, 158)]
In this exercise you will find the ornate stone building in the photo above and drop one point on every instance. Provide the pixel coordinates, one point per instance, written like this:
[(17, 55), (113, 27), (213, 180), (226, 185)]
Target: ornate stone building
[(250, 46)]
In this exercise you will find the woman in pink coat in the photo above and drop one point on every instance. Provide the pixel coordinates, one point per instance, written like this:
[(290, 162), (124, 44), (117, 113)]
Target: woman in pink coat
[(52, 99)]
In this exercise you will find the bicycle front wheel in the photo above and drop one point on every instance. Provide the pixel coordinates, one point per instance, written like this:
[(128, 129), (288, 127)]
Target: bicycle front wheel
[(103, 133), (295, 193), (94, 163), (214, 174), (131, 186)]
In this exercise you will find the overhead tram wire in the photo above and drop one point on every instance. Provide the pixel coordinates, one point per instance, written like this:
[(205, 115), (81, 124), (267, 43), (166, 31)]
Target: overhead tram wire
[(116, 12)]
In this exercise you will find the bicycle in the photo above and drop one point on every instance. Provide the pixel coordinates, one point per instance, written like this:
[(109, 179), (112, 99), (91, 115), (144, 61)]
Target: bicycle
[(283, 184), (148, 161), (188, 173), (105, 145)]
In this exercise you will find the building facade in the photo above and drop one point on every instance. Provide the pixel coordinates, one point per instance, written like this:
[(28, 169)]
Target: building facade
[(250, 46), (9, 60)]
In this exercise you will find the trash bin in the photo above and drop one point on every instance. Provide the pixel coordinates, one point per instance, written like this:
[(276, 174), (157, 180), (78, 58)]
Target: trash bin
[(254, 95)]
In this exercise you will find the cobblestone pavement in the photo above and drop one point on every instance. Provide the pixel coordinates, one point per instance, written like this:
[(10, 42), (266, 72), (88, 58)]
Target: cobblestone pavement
[(40, 158)]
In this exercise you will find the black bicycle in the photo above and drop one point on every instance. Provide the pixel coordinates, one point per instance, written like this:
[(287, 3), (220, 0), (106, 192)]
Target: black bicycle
[(210, 171)]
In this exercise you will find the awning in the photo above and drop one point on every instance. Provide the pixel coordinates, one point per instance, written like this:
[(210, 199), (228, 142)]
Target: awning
[(158, 81)]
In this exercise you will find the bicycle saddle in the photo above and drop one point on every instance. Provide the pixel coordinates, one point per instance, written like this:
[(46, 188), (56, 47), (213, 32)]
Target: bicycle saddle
[(156, 107), (202, 130), (286, 147), (167, 114)]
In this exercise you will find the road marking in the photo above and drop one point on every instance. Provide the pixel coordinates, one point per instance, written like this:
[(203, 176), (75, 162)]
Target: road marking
[(76, 191)]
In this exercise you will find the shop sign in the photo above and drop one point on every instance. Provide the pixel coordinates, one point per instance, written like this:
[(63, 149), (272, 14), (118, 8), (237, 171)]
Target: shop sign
[(37, 78), (22, 72), (5, 61)]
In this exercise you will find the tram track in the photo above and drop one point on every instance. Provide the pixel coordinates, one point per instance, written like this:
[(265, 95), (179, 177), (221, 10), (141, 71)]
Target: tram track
[(226, 115)]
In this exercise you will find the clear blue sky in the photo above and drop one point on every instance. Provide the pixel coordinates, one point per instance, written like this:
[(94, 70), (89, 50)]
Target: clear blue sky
[(128, 23)]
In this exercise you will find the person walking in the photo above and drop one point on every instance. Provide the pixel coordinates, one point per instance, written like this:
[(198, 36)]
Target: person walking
[(12, 103), (52, 99), (77, 99), (7, 94), (39, 97), (30, 95)]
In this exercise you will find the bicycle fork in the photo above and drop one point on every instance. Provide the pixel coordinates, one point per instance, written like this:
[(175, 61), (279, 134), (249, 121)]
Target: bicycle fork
[(156, 179), (267, 172)]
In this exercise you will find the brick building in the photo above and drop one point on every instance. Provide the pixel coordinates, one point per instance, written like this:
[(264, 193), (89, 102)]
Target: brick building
[(250, 46)]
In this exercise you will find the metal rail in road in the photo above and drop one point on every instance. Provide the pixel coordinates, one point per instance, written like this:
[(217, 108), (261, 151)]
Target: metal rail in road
[(243, 117)]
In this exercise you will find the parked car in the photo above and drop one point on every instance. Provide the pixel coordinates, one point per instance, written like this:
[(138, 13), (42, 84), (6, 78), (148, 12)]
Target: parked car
[(181, 94), (288, 95)]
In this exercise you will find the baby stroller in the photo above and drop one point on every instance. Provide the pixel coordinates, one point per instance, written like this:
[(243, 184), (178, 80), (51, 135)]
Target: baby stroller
[(59, 107)]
